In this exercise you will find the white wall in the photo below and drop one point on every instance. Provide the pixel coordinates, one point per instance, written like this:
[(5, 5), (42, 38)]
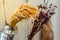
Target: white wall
[(24, 27)]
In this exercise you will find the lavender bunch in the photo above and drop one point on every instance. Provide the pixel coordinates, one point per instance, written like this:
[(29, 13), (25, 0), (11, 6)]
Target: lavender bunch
[(44, 16)]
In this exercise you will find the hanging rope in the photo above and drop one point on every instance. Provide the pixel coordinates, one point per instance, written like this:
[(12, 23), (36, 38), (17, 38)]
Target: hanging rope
[(4, 11)]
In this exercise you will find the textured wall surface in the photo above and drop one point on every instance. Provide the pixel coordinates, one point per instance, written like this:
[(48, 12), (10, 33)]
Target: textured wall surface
[(25, 27)]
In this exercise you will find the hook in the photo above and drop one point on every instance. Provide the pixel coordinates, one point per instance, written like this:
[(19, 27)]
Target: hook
[(46, 2), (26, 1)]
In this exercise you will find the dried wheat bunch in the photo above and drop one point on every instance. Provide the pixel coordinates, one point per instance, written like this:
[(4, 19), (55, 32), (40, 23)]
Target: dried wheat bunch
[(24, 11)]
